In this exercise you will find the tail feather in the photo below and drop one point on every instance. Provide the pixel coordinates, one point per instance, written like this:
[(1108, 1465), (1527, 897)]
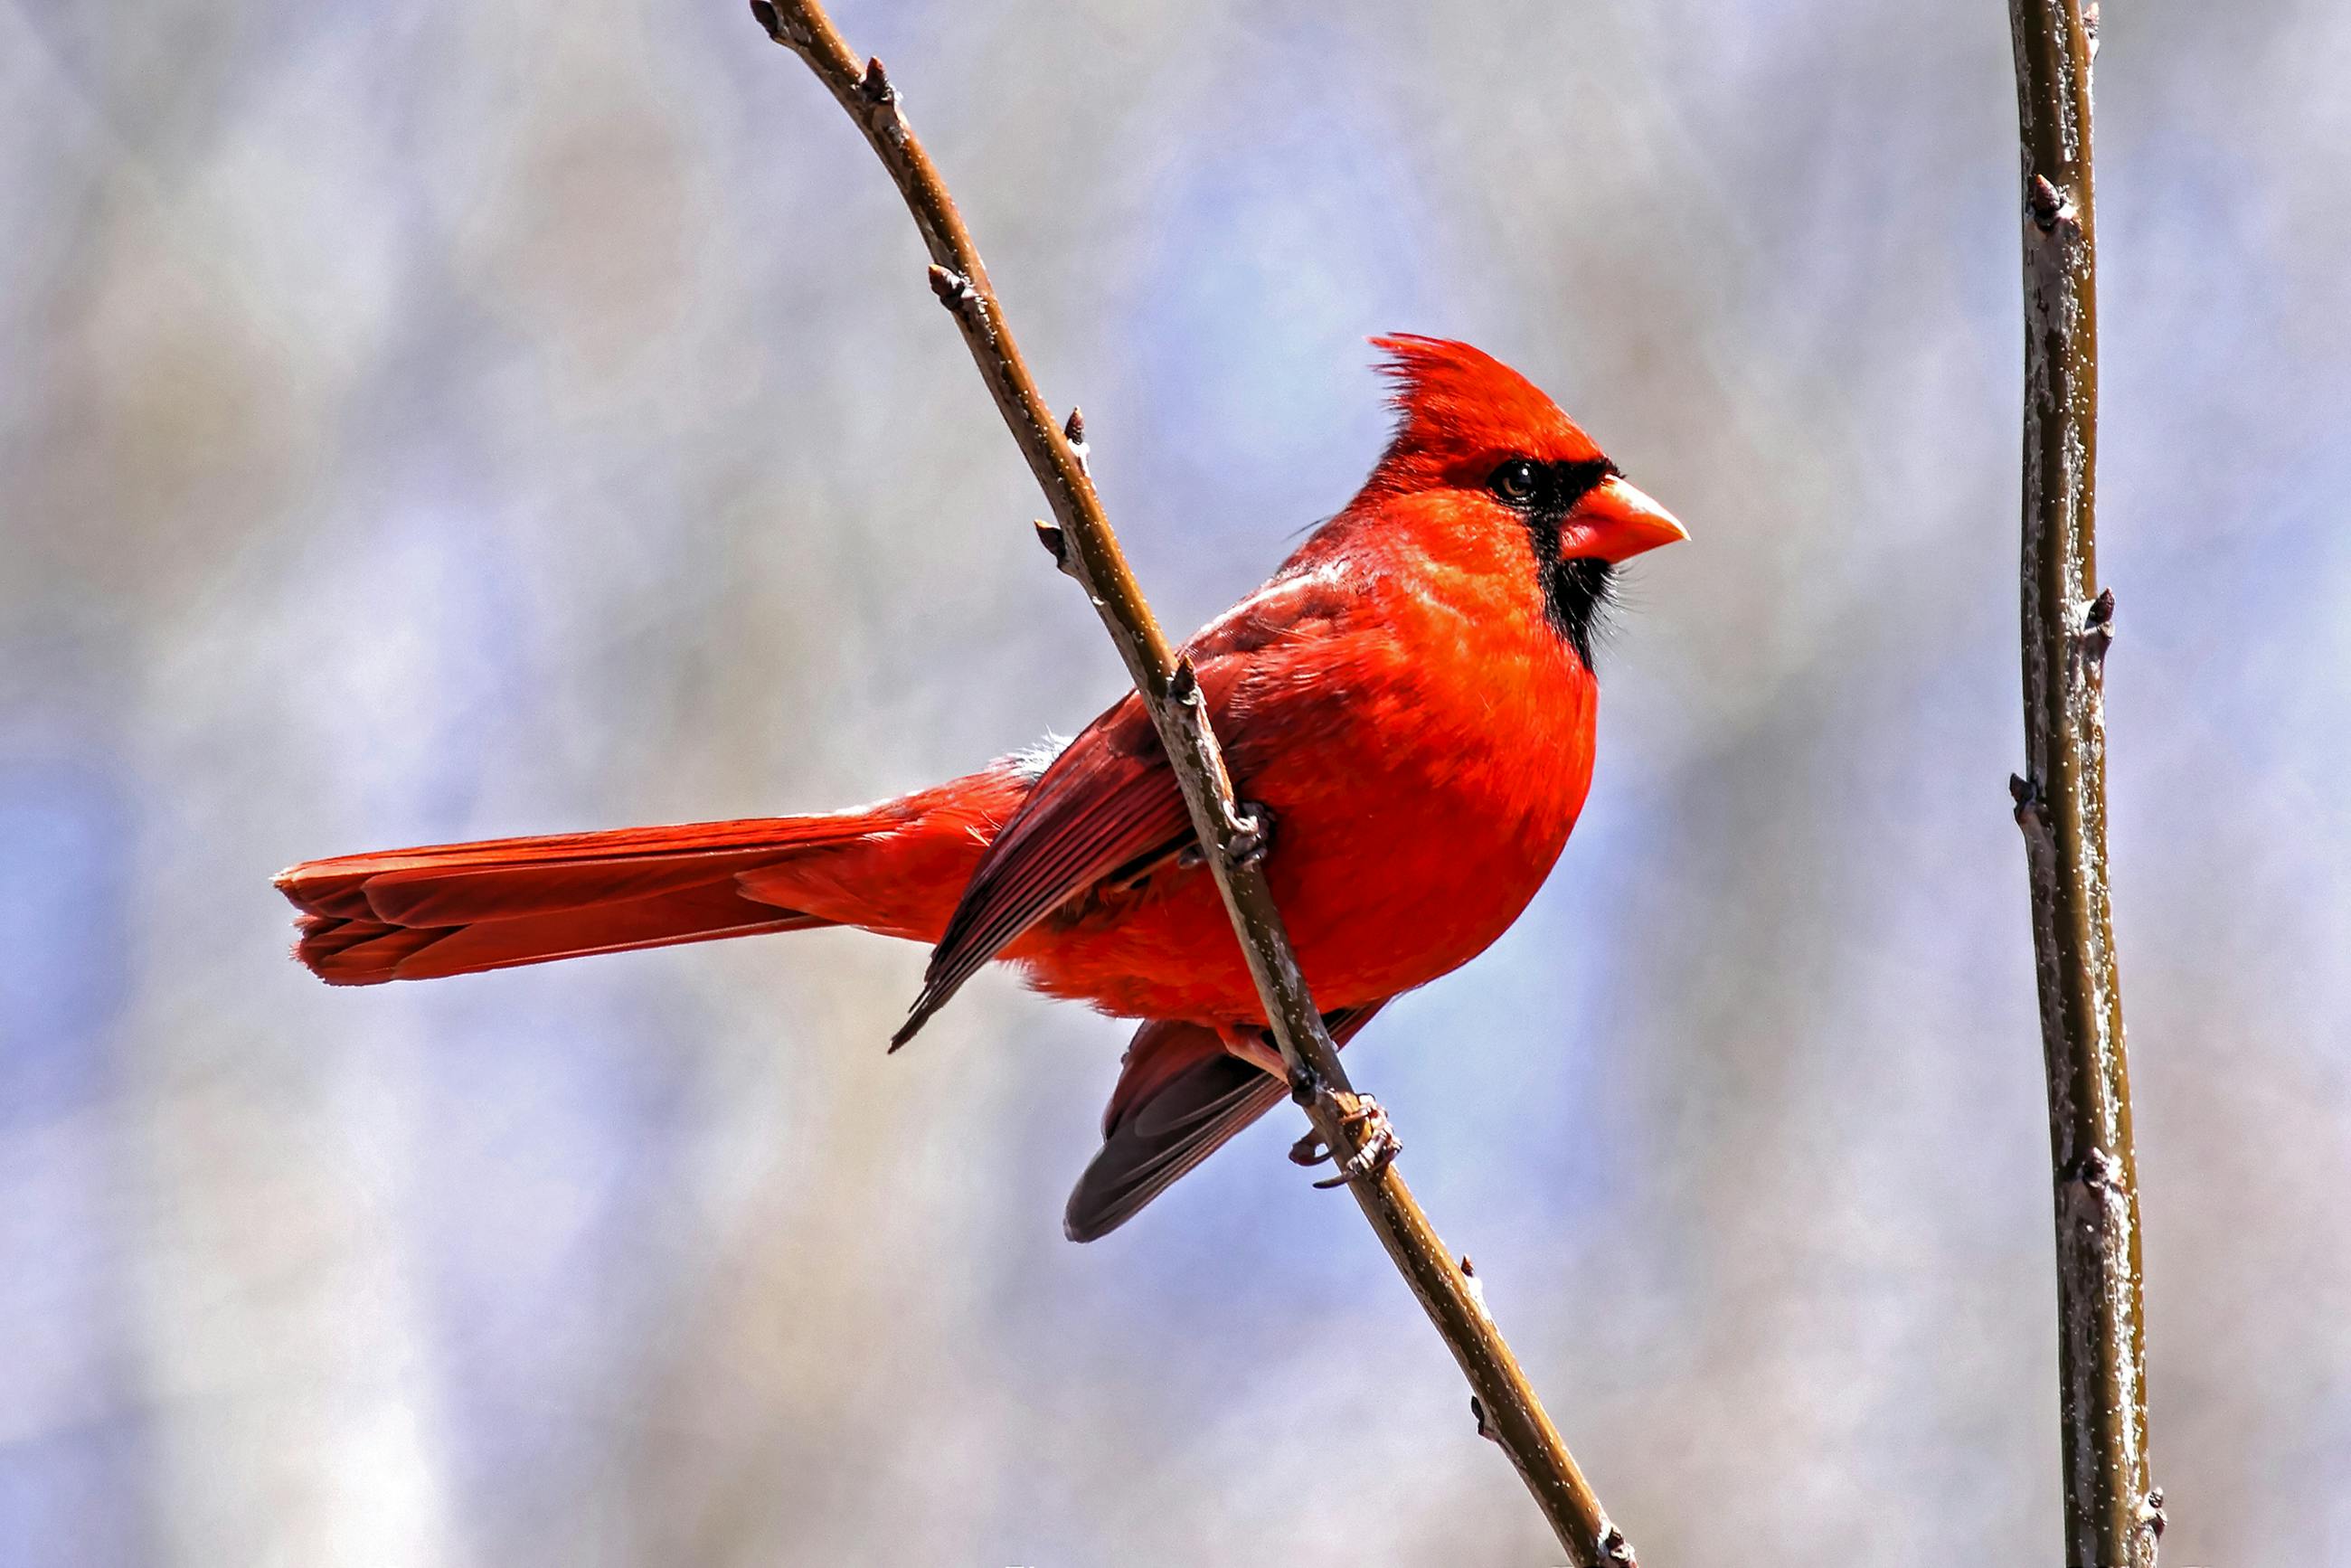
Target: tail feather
[(429, 895), (454, 909)]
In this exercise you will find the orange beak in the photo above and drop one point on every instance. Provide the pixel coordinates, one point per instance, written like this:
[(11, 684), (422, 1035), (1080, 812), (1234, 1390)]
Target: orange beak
[(1619, 522)]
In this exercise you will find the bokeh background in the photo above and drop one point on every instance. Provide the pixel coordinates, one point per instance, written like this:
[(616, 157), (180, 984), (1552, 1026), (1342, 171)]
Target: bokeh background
[(428, 420)]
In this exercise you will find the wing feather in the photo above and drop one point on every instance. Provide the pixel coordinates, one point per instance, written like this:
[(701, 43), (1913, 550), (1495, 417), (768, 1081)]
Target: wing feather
[(1108, 800), (1181, 1097)]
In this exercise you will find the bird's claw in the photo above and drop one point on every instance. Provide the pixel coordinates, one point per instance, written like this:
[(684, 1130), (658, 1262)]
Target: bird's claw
[(1251, 840), (1255, 839), (1375, 1150)]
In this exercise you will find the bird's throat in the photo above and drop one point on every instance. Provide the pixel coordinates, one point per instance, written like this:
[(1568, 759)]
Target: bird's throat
[(1577, 593)]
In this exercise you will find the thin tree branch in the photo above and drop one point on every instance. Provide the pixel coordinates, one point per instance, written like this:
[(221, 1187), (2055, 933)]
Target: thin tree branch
[(1349, 1124), (2113, 1518)]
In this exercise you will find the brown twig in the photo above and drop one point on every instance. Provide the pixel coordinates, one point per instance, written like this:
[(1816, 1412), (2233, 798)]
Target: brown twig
[(2113, 1516), (1082, 542)]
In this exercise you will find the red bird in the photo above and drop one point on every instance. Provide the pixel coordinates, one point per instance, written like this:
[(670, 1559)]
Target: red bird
[(1410, 698)]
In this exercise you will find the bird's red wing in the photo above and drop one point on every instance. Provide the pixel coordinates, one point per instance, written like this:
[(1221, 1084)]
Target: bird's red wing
[(1109, 801)]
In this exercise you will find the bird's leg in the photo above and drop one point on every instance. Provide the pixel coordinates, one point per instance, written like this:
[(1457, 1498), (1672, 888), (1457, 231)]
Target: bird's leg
[(1376, 1143), (1256, 1047)]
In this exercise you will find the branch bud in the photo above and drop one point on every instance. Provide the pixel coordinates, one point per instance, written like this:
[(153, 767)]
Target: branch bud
[(953, 289), (2027, 796), (2048, 205), (2098, 629), (1056, 543)]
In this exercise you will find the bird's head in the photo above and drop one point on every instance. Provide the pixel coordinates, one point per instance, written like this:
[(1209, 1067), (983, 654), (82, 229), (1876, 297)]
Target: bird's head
[(1472, 427), (1472, 424)]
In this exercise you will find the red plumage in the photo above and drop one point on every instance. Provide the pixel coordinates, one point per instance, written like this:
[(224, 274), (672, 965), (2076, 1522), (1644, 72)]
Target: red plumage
[(1410, 695)]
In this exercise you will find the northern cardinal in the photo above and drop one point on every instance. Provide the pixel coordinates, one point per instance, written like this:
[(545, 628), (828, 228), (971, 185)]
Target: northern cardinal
[(1410, 698)]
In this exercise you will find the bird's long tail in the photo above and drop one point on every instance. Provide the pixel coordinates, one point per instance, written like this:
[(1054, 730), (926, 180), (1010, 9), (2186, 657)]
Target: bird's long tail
[(453, 909)]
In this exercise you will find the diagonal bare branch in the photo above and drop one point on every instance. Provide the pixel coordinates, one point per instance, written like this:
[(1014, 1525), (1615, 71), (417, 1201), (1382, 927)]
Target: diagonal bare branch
[(1081, 539)]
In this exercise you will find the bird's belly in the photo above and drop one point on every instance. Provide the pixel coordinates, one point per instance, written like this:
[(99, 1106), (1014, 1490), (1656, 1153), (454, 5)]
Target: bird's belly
[(1387, 877)]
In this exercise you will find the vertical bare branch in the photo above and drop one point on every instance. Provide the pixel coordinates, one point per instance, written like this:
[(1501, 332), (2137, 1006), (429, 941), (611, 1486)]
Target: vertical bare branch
[(2113, 1516), (1082, 541)]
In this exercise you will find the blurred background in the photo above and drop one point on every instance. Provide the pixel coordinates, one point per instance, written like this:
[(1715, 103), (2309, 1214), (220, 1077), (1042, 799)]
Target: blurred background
[(425, 421)]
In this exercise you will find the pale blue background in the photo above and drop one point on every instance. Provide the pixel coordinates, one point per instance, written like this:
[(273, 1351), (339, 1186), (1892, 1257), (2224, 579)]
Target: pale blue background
[(422, 420)]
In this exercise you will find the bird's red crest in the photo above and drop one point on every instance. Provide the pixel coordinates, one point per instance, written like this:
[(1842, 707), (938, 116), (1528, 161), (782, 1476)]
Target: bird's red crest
[(1460, 407)]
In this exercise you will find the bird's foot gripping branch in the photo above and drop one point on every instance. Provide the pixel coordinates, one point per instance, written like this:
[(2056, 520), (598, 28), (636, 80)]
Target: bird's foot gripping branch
[(1376, 1147)]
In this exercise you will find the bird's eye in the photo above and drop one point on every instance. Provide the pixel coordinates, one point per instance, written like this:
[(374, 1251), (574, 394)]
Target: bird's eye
[(1516, 481)]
